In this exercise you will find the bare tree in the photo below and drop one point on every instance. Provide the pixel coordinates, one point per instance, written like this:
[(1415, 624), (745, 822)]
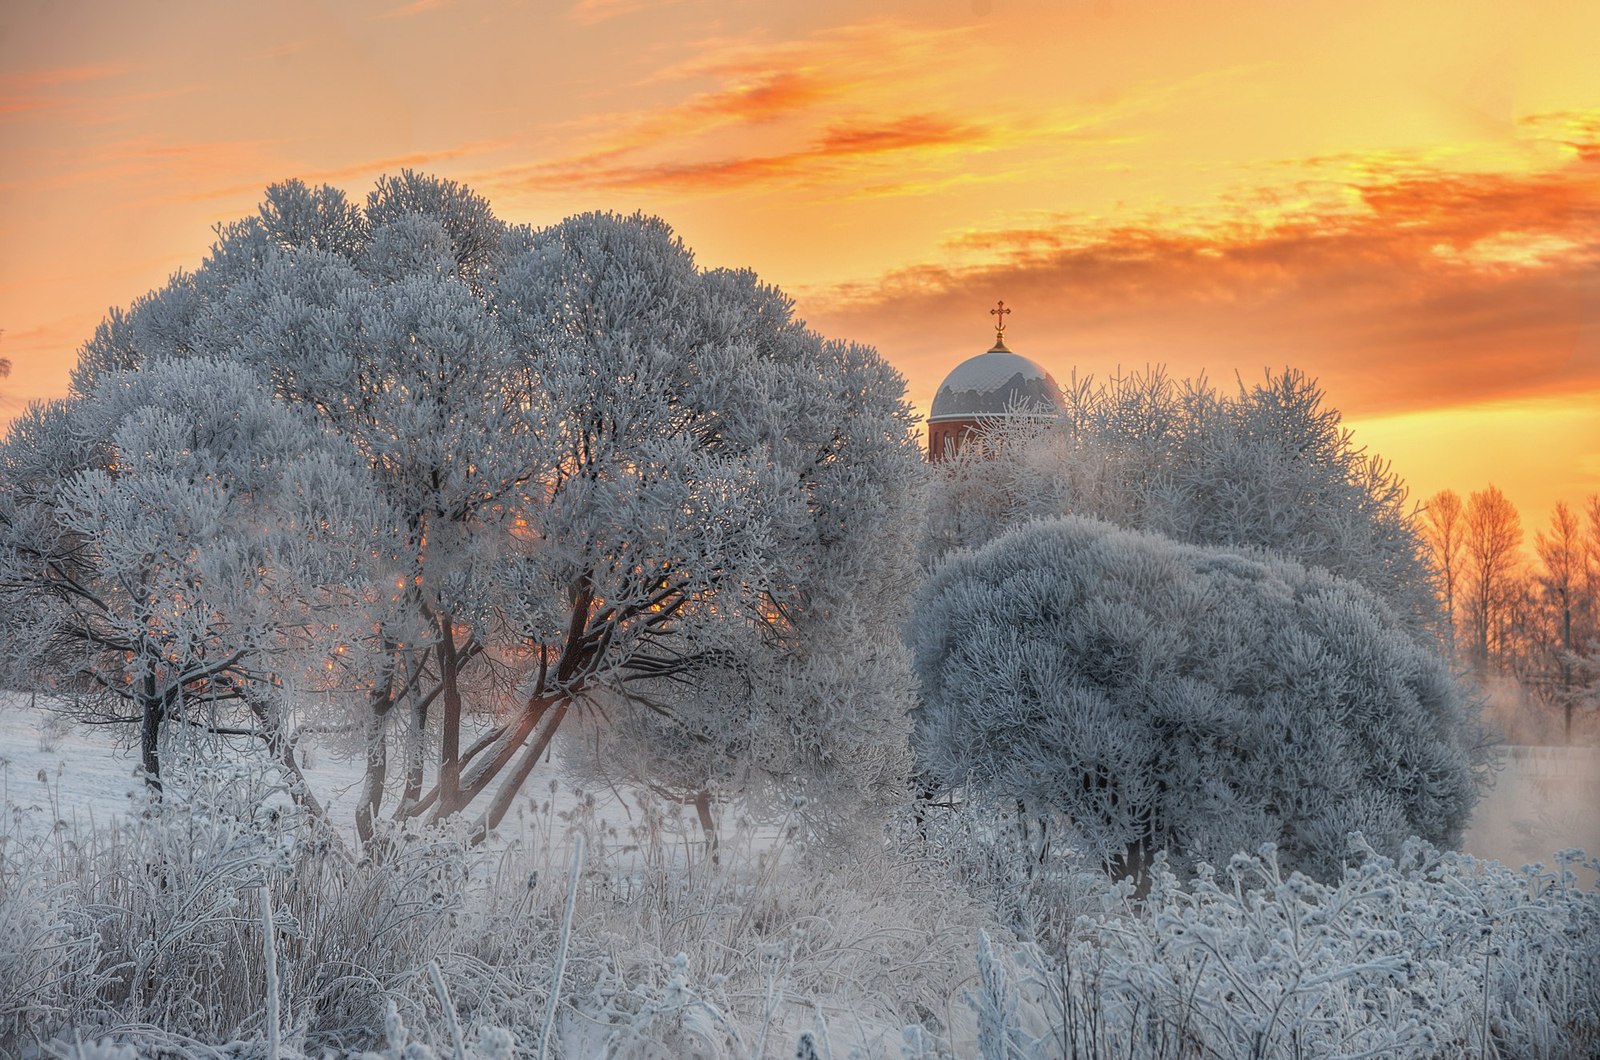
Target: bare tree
[(1561, 556), (1443, 528), (1492, 548), (1591, 562)]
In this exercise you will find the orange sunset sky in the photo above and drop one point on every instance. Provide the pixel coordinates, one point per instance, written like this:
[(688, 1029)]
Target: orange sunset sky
[(1401, 198)]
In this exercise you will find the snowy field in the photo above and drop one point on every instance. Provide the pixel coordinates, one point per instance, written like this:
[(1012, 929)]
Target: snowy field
[(1544, 799), (58, 773), (674, 957)]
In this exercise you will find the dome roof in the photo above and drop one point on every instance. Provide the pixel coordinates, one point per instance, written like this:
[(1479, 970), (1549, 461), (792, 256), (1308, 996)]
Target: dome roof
[(993, 384)]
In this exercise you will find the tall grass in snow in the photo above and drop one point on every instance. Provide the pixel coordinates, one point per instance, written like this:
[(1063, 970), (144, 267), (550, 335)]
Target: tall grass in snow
[(212, 921), (1429, 955), (169, 930)]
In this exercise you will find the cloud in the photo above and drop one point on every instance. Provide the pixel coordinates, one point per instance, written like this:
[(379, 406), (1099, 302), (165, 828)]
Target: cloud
[(589, 12), (416, 7), (750, 98), (839, 147), (828, 93), (37, 90), (828, 111), (1398, 282), (1576, 130)]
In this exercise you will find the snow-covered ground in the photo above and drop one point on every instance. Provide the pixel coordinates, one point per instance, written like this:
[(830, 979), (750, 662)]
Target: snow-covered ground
[(873, 958), (55, 773), (1544, 799)]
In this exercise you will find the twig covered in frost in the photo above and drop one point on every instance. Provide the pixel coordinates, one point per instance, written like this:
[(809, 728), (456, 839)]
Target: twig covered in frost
[(561, 947), (269, 955), (448, 1007)]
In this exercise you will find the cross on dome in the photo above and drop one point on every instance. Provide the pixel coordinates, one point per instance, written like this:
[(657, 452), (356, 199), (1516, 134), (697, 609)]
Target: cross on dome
[(999, 312)]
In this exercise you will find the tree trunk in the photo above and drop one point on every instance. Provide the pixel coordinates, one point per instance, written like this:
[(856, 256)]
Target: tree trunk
[(544, 732), (450, 724), (702, 807), (414, 757), (282, 748), (1134, 861), (376, 773), (1566, 661), (152, 712)]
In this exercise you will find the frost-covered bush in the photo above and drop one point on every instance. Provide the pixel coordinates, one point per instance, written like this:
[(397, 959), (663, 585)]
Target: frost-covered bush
[(842, 759), (155, 923), (671, 954), (1430, 955), (50, 967), (1270, 466), (1172, 697), (737, 958), (1032, 881)]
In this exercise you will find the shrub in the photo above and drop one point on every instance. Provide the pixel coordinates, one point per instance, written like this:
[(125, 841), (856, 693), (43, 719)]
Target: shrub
[(1169, 696)]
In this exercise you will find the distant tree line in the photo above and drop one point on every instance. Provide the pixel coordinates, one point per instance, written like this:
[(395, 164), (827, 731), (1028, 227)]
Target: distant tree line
[(1528, 614)]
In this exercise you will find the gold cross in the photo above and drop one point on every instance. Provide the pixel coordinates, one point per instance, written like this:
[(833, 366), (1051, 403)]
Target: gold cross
[(999, 313)]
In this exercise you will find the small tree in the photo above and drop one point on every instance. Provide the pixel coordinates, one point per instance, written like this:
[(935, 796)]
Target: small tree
[(155, 547), (1561, 555), (1192, 699)]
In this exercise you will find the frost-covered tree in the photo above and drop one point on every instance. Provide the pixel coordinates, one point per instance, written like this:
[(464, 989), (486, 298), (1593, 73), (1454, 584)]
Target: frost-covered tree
[(725, 487), (154, 537), (1174, 697), (609, 476), (376, 319), (1269, 467)]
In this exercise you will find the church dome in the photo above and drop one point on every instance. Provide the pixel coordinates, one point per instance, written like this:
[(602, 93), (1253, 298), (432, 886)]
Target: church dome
[(994, 384)]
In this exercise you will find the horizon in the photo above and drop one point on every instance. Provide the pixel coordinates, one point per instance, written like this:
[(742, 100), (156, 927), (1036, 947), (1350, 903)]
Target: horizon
[(1402, 204)]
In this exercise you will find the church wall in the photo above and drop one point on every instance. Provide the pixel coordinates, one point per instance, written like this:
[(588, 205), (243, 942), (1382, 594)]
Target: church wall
[(946, 436)]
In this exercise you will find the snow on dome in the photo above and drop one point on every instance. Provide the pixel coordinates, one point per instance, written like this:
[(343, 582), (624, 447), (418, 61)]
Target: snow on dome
[(996, 383)]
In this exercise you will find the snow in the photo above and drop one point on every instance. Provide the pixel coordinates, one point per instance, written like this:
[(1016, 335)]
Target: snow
[(973, 387), (58, 773), (741, 963), (48, 765), (1544, 799)]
